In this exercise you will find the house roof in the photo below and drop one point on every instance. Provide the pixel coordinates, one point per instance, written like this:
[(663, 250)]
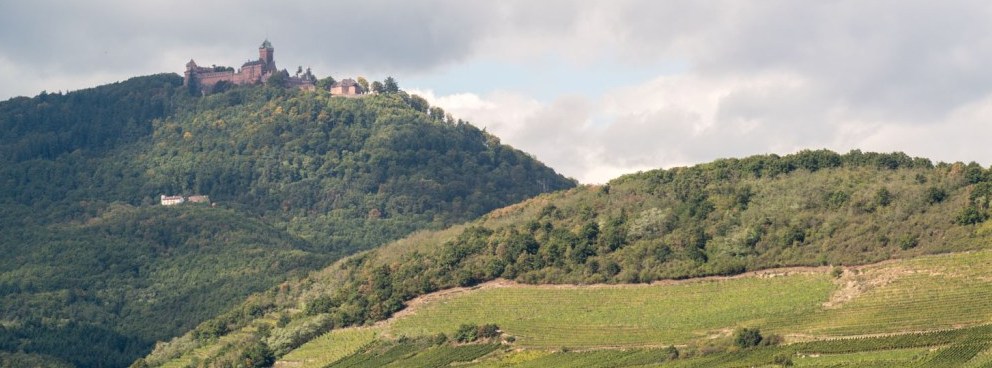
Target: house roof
[(266, 44), (345, 83)]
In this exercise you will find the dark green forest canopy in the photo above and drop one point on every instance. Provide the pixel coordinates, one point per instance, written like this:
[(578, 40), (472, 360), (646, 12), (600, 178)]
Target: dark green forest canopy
[(298, 179)]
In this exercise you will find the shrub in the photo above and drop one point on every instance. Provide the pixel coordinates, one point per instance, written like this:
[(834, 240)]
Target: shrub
[(883, 197), (440, 338), (488, 331), (257, 355), (782, 360), (970, 215), (467, 333), (747, 337), (935, 195), (908, 241), (671, 352), (837, 272)]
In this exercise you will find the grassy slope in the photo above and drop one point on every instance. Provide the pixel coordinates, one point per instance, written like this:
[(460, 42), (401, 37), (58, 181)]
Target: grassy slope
[(627, 316), (921, 294)]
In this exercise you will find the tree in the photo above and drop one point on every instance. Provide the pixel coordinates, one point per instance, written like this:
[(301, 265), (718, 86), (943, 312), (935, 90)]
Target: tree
[(278, 79), (364, 83), (258, 355), (419, 103), (747, 337), (970, 215), (935, 195), (436, 113), (389, 85), (377, 87), (326, 83)]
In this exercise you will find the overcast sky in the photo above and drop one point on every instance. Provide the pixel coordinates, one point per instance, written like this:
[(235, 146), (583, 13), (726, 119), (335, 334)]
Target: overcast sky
[(594, 89)]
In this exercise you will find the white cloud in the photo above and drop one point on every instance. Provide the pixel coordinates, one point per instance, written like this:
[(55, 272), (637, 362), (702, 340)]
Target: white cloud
[(774, 76), (685, 119)]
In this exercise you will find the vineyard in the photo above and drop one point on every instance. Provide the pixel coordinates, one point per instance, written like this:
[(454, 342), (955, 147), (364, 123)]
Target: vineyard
[(415, 353), (622, 316), (933, 311), (331, 347)]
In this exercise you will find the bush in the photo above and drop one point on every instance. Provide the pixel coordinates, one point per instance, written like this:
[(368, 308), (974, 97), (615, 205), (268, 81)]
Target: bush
[(258, 355), (935, 195), (883, 197), (837, 272), (908, 241), (970, 215), (747, 337), (488, 331), (467, 333), (671, 352), (782, 360)]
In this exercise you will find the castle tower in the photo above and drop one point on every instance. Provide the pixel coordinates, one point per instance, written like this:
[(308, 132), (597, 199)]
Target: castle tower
[(265, 53), (190, 72)]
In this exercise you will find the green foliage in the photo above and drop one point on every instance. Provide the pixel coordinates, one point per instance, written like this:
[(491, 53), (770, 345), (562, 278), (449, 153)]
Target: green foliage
[(935, 195), (883, 197), (300, 179), (325, 83), (488, 331), (908, 241), (467, 333), (837, 272), (676, 223), (90, 120), (279, 79), (257, 355), (389, 85), (747, 337)]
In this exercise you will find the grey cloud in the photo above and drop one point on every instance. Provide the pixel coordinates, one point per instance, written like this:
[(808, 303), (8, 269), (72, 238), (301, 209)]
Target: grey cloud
[(68, 38)]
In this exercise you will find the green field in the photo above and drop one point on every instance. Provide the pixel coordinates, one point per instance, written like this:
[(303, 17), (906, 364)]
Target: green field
[(877, 312), (935, 292), (622, 316)]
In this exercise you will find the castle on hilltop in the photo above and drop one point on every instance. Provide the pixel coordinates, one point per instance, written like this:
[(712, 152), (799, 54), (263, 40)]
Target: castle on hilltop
[(252, 72)]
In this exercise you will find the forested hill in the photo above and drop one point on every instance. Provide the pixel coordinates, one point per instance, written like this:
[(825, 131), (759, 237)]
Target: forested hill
[(95, 269), (720, 218)]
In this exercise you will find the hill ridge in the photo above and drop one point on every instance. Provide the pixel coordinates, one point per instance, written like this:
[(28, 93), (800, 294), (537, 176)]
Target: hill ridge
[(300, 178), (812, 208)]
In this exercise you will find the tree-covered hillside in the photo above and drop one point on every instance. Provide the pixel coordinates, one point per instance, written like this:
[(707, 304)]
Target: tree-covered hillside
[(721, 218), (95, 270)]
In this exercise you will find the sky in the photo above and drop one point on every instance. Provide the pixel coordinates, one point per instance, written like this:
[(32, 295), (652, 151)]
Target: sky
[(594, 89)]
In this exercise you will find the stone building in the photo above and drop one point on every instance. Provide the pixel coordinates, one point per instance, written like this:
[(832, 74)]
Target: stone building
[(346, 87), (172, 200)]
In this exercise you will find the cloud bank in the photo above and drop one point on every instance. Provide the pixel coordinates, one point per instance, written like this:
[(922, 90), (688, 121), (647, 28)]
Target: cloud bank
[(656, 84)]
